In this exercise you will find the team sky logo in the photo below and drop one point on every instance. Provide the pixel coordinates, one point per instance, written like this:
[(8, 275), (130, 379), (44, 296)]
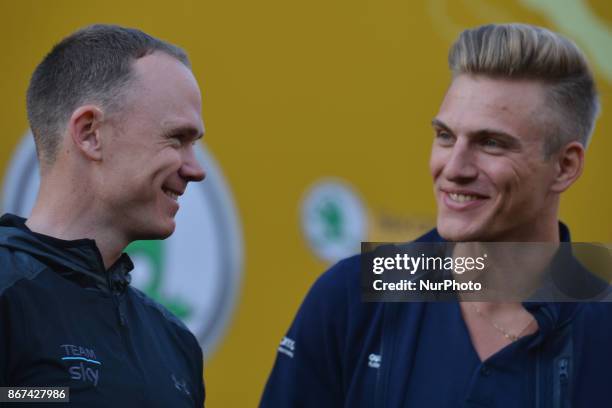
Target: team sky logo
[(196, 273), (83, 364)]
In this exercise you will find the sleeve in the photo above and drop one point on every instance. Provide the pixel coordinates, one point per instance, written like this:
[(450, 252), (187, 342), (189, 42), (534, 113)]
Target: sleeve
[(4, 333), (12, 337), (308, 367), (199, 375), (12, 331)]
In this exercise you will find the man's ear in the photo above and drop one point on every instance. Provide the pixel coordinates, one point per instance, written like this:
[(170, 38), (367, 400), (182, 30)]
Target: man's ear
[(84, 128), (569, 165)]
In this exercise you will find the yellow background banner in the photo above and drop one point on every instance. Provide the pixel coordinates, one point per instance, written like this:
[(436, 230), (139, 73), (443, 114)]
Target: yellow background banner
[(300, 93)]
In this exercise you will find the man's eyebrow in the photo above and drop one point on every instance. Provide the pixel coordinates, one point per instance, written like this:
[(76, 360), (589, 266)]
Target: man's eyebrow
[(186, 130), (438, 123), (511, 140)]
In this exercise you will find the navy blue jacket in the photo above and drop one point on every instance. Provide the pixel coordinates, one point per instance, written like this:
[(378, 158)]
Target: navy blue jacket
[(66, 321), (342, 352)]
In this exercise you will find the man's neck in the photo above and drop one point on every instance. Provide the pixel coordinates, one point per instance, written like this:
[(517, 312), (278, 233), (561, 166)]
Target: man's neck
[(75, 216), (494, 325), (543, 228)]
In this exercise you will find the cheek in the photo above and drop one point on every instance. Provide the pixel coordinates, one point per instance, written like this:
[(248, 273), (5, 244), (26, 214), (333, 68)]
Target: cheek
[(504, 174), (436, 161), (518, 187), (166, 162)]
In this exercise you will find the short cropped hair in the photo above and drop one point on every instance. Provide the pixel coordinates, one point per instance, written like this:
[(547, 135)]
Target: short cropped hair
[(523, 51), (92, 65)]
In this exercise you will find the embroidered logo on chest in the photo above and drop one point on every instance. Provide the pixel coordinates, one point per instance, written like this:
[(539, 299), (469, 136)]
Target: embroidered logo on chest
[(84, 365), (374, 360)]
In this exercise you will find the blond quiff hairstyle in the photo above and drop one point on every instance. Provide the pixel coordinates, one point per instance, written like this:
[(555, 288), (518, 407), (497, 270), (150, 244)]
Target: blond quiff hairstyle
[(521, 51)]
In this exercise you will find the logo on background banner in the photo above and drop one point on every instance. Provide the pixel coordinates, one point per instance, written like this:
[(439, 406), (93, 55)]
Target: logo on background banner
[(196, 273), (334, 220)]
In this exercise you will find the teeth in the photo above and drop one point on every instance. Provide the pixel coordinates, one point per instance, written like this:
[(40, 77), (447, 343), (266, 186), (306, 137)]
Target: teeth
[(172, 195), (461, 198)]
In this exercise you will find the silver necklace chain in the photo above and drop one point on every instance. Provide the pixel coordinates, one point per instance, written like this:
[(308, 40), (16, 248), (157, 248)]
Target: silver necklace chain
[(510, 336)]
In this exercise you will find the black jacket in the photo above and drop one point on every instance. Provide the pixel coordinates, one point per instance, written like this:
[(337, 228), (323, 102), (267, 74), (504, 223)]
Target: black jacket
[(66, 321)]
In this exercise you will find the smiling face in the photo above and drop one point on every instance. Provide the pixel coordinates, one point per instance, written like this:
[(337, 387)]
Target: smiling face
[(148, 155), (491, 179)]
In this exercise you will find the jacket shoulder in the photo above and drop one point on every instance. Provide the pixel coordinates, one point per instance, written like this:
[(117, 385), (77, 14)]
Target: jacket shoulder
[(333, 297), (159, 308), (342, 281), (337, 286), (15, 266)]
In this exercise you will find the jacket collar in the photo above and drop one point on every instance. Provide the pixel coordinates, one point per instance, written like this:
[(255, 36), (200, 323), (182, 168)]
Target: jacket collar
[(434, 236), (549, 315), (78, 260)]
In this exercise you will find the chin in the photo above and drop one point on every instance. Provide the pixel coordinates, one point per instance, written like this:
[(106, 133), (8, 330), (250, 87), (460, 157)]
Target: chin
[(167, 230), (160, 231), (452, 230), (164, 235)]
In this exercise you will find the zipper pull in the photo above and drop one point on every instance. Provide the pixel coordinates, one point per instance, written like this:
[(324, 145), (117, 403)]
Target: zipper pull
[(561, 397), (122, 318), (563, 370)]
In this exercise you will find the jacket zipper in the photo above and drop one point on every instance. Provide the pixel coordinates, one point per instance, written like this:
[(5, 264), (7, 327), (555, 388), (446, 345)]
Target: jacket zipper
[(378, 392), (562, 370), (561, 382), (122, 318), (538, 370), (120, 314), (130, 352)]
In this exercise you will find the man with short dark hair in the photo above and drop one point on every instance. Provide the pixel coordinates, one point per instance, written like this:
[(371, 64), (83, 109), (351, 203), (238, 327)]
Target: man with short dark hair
[(509, 138), (115, 114)]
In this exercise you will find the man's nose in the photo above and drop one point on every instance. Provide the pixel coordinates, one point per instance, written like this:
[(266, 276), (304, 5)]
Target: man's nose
[(191, 170), (460, 166)]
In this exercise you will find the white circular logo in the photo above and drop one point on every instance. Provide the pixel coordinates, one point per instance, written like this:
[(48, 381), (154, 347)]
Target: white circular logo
[(334, 220), (196, 273)]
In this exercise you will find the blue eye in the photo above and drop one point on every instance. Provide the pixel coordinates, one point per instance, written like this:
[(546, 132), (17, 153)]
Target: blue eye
[(492, 143), (444, 138), (175, 140)]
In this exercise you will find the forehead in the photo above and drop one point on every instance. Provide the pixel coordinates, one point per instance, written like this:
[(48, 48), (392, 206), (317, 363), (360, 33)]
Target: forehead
[(165, 92), (516, 107)]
